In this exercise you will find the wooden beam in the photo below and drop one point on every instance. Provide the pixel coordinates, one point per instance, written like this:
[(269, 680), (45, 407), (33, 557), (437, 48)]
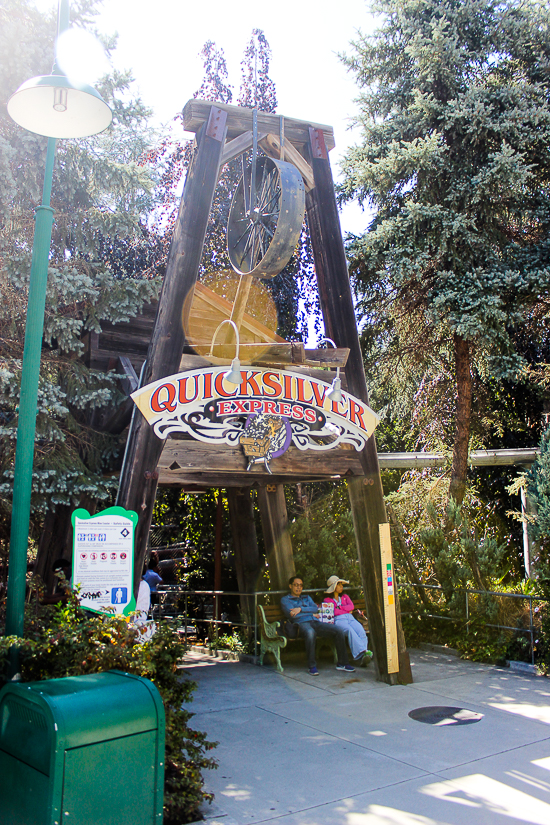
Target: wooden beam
[(204, 481), (225, 308), (278, 547), (339, 317), (248, 560), (328, 357), (187, 455), (139, 476), (234, 148), (260, 354), (271, 145), (239, 120)]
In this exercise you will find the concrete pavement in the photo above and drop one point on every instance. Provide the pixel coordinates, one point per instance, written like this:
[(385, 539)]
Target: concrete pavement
[(341, 748)]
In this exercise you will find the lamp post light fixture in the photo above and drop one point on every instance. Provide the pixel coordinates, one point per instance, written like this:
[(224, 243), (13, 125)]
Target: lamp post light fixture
[(234, 374), (53, 107), (335, 392)]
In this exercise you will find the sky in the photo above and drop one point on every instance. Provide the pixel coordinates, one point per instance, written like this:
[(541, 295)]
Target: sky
[(160, 41)]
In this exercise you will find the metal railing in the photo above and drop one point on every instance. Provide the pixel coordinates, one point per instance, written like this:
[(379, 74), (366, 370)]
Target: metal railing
[(170, 598), (181, 604), (175, 602), (467, 592)]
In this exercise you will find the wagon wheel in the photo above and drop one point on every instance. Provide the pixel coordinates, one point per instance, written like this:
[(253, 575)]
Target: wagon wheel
[(266, 217)]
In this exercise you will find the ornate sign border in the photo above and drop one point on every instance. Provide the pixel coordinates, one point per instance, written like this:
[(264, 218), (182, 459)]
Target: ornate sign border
[(204, 405)]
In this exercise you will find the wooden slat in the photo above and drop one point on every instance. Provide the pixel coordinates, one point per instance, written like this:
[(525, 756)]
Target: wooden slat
[(278, 547), (237, 146), (258, 354), (205, 480), (225, 307), (239, 120), (272, 147), (328, 357), (197, 457)]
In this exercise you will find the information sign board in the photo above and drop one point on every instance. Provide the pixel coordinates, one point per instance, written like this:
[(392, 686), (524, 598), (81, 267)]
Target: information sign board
[(103, 559)]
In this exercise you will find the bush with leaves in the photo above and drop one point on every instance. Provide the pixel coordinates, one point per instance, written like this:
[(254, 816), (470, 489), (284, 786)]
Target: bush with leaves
[(65, 641), (323, 537), (450, 545)]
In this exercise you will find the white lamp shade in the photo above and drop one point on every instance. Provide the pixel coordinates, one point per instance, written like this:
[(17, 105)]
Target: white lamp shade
[(234, 374), (32, 107), (335, 392)]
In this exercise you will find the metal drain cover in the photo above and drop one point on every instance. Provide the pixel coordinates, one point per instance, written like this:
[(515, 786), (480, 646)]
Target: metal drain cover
[(441, 715)]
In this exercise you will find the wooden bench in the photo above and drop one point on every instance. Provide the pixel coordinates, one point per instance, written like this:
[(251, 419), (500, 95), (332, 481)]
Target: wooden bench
[(271, 618)]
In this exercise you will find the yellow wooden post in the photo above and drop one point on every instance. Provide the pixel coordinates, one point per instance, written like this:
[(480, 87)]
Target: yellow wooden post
[(388, 586)]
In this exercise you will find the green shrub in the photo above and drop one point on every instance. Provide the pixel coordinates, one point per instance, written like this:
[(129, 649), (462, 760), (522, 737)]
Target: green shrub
[(482, 643), (65, 641), (237, 642), (323, 540)]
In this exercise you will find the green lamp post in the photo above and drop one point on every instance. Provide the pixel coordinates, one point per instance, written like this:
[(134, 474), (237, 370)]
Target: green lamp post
[(53, 107)]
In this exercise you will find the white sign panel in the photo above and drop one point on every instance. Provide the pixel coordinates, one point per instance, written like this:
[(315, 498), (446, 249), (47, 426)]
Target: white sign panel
[(103, 559)]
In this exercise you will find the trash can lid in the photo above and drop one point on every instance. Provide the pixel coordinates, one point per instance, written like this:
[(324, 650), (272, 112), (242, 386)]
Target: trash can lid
[(93, 708)]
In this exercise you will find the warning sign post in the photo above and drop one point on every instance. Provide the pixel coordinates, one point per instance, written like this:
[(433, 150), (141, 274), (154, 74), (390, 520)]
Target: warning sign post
[(103, 559)]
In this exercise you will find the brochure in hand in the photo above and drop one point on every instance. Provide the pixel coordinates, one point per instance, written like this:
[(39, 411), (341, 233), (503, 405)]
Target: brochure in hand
[(326, 613)]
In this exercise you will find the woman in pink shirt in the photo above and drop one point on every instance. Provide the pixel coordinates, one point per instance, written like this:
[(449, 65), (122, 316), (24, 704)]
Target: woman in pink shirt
[(343, 607)]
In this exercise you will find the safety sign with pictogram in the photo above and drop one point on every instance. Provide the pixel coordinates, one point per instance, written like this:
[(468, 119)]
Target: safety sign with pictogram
[(103, 559)]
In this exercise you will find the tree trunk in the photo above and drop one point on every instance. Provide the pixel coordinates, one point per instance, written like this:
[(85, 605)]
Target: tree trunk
[(463, 419)]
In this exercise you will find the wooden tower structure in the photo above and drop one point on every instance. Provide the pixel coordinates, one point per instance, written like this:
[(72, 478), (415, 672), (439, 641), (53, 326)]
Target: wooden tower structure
[(186, 428)]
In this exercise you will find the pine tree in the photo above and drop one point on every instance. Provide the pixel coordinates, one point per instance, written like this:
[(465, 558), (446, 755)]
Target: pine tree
[(292, 290), (455, 119), (538, 486), (103, 263)]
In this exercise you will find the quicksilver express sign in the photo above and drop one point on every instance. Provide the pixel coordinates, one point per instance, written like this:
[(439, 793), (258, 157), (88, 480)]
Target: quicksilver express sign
[(286, 407)]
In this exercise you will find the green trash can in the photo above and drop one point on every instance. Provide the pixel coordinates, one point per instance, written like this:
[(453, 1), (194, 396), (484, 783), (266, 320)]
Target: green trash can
[(84, 750)]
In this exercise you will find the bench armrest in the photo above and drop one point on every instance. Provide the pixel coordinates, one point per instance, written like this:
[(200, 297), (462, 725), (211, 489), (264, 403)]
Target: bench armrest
[(269, 629)]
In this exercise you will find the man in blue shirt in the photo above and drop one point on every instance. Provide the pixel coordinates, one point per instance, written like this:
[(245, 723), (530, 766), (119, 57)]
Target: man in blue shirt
[(303, 612), (152, 577)]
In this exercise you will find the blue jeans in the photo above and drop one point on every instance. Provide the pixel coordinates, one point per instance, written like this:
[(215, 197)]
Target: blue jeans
[(309, 632)]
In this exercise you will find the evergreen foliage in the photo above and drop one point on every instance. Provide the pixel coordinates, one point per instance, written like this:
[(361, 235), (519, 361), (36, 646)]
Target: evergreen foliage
[(103, 263), (465, 548), (455, 117), (190, 520), (323, 538), (538, 486)]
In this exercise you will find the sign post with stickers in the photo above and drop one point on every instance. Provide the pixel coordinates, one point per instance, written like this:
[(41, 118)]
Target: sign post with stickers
[(388, 585), (103, 559)]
